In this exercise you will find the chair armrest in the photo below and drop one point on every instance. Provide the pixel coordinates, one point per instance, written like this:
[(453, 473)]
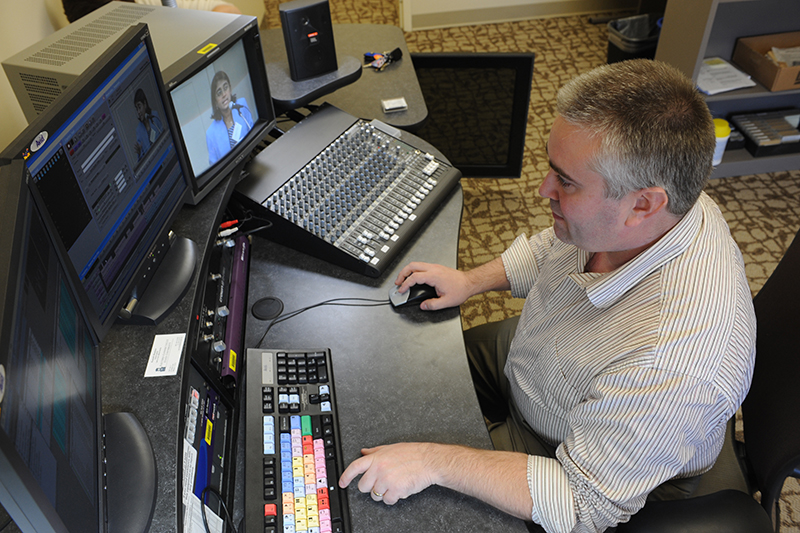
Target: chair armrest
[(727, 511)]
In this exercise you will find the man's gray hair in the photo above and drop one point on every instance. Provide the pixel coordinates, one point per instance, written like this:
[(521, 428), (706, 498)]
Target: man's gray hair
[(655, 128)]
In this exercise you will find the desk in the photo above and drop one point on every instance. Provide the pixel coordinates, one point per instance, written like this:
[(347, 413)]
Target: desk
[(399, 375), (157, 402), (363, 97)]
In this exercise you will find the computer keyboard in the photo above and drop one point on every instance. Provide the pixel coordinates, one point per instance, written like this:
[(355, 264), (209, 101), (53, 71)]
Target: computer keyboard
[(345, 190), (293, 456)]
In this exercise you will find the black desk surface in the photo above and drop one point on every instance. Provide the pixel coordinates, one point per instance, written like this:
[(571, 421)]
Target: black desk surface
[(399, 375), (363, 97), (157, 402)]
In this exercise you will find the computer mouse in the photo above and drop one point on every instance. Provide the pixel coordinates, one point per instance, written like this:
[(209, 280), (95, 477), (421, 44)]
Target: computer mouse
[(413, 296)]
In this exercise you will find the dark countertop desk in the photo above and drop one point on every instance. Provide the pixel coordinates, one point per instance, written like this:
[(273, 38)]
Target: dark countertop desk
[(157, 402), (399, 375), (363, 97)]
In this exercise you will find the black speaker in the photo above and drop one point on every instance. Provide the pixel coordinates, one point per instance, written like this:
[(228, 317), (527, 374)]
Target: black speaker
[(308, 33)]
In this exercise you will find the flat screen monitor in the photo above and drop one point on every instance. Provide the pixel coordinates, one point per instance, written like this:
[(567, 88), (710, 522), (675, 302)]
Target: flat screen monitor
[(50, 437), (477, 109), (222, 105), (107, 175)]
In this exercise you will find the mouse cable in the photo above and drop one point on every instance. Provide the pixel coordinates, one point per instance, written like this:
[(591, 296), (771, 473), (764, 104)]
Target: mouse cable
[(344, 302), (216, 493)]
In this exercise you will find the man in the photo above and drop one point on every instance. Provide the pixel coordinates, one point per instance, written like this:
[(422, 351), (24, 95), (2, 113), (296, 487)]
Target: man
[(636, 342)]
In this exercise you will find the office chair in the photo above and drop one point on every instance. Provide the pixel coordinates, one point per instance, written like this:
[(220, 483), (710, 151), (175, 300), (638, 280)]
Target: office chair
[(771, 449)]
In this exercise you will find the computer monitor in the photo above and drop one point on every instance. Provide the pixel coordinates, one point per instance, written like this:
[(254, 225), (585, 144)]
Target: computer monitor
[(222, 105), (50, 437), (106, 173), (477, 109)]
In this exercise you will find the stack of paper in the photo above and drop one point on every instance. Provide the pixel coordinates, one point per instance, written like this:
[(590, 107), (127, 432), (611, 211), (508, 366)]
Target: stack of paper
[(717, 75)]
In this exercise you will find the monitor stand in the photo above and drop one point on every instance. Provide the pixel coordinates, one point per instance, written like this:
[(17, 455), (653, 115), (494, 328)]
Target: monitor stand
[(288, 94), (131, 478), (163, 289)]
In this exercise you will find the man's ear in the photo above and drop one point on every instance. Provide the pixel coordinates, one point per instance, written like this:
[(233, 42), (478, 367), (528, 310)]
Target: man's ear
[(647, 203)]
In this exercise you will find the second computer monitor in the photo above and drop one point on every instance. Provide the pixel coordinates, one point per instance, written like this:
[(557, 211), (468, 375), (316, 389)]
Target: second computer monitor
[(105, 171)]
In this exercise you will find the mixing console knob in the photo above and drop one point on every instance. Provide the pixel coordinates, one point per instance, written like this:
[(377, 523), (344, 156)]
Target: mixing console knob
[(218, 346), (223, 310)]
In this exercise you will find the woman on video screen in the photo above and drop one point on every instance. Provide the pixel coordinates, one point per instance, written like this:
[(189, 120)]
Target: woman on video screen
[(149, 127), (232, 118)]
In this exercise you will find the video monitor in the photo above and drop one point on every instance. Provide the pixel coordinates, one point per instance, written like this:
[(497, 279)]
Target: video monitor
[(477, 109), (50, 436), (106, 172), (222, 105)]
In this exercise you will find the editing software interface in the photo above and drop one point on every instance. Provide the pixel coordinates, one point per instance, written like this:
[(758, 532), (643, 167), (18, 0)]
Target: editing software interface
[(107, 177)]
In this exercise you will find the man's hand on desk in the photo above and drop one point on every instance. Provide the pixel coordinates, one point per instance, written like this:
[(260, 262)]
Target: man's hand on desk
[(453, 286), (396, 471)]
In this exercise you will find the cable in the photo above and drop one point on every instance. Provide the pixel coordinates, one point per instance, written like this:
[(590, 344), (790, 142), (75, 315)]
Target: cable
[(248, 217), (334, 301), (216, 493)]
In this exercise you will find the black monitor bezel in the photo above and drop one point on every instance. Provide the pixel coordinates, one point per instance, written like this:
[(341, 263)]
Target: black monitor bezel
[(193, 63), (21, 494), (522, 64), (60, 111)]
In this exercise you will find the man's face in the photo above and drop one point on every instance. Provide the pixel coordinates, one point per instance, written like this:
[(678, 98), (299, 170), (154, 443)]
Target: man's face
[(582, 214)]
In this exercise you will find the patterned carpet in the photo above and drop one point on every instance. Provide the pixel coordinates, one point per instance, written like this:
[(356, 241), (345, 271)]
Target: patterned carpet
[(763, 210)]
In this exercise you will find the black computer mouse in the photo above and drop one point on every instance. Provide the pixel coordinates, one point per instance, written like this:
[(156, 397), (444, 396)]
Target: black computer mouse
[(413, 296)]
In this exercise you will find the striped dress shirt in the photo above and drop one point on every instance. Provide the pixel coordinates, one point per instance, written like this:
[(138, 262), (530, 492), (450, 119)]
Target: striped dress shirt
[(632, 374)]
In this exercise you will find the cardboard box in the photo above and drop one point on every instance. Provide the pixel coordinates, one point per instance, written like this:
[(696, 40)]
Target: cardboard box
[(749, 54)]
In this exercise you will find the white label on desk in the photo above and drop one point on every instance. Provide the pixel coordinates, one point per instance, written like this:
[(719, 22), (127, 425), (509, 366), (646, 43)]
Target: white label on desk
[(193, 519), (165, 355), (189, 466)]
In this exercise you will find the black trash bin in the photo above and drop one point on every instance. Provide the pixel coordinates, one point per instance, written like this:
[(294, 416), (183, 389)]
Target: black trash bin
[(633, 37)]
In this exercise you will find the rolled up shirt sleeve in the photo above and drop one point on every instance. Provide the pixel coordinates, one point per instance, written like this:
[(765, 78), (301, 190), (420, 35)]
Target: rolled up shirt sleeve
[(553, 506)]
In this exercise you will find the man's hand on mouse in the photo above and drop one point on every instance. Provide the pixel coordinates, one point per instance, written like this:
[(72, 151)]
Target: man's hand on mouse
[(452, 286)]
